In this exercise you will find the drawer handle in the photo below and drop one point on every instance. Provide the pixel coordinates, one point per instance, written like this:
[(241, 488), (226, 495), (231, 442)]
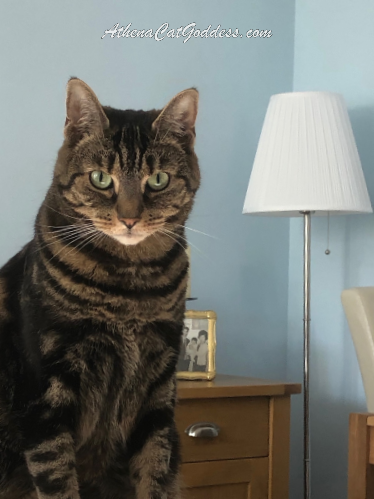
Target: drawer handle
[(203, 430)]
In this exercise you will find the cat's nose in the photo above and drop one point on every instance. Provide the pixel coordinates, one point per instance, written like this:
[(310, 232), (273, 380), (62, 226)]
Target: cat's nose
[(129, 222)]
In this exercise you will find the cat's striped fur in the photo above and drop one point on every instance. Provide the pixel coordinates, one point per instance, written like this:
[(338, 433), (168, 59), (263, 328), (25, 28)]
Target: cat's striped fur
[(91, 312)]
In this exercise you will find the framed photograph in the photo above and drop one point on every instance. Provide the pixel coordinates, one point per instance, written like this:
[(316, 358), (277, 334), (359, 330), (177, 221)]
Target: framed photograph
[(197, 359)]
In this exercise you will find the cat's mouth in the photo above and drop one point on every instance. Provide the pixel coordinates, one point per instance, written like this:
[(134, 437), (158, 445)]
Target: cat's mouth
[(129, 238)]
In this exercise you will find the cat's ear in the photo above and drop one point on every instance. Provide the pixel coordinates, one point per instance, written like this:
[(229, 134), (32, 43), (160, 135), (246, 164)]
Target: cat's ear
[(84, 113), (179, 115)]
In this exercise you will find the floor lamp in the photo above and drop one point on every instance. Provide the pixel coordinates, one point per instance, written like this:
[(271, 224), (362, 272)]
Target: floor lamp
[(306, 164)]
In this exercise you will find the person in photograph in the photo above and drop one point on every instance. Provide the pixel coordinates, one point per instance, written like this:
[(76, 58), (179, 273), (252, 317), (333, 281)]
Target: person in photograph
[(185, 332), (183, 362), (191, 352), (186, 345), (202, 352)]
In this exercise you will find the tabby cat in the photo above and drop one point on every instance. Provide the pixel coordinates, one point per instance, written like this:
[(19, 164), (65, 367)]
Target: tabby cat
[(91, 310)]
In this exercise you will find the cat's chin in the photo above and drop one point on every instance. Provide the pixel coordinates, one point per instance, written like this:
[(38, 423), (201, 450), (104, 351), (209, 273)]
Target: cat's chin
[(129, 239)]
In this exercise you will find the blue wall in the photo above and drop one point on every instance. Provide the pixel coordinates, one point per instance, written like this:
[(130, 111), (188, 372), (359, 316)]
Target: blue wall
[(242, 274), (332, 42)]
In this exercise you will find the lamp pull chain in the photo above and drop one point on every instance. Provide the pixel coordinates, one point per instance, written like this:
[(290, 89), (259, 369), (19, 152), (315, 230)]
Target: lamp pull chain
[(327, 252)]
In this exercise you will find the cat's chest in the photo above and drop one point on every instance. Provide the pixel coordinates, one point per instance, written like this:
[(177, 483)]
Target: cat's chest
[(118, 369), (114, 356)]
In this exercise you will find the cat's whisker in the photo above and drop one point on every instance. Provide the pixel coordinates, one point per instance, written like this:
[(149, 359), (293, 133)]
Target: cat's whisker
[(84, 243), (159, 240), (155, 139), (183, 238), (199, 250), (64, 214), (161, 231), (84, 237), (187, 243), (198, 231), (101, 238), (51, 243), (168, 233), (65, 234), (84, 221), (166, 134), (62, 248), (62, 227), (67, 230), (69, 239)]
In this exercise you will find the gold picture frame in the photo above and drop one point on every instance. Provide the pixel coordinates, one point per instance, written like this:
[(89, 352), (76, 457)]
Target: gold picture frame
[(190, 363)]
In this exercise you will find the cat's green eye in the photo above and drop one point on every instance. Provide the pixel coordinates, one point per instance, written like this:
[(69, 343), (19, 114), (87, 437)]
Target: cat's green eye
[(158, 181), (101, 180)]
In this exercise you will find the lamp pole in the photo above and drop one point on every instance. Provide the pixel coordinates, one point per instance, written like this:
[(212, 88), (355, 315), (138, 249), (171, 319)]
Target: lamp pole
[(307, 228)]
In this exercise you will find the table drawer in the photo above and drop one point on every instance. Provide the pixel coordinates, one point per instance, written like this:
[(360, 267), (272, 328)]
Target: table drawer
[(243, 428), (236, 478)]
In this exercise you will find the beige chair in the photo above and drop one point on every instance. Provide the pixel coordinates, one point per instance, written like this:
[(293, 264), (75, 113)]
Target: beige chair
[(358, 304)]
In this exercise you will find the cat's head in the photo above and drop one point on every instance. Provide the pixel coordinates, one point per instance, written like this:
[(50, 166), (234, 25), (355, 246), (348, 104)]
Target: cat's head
[(130, 173)]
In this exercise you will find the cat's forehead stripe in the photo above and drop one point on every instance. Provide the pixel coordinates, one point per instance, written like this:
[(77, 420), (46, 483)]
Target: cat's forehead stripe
[(111, 162), (130, 144)]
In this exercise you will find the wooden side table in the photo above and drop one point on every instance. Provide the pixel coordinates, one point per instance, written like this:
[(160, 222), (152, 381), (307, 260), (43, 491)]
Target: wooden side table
[(361, 456), (235, 437)]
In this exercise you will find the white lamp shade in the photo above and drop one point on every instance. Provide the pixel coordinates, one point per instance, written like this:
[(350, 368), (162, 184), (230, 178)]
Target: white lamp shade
[(307, 159)]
